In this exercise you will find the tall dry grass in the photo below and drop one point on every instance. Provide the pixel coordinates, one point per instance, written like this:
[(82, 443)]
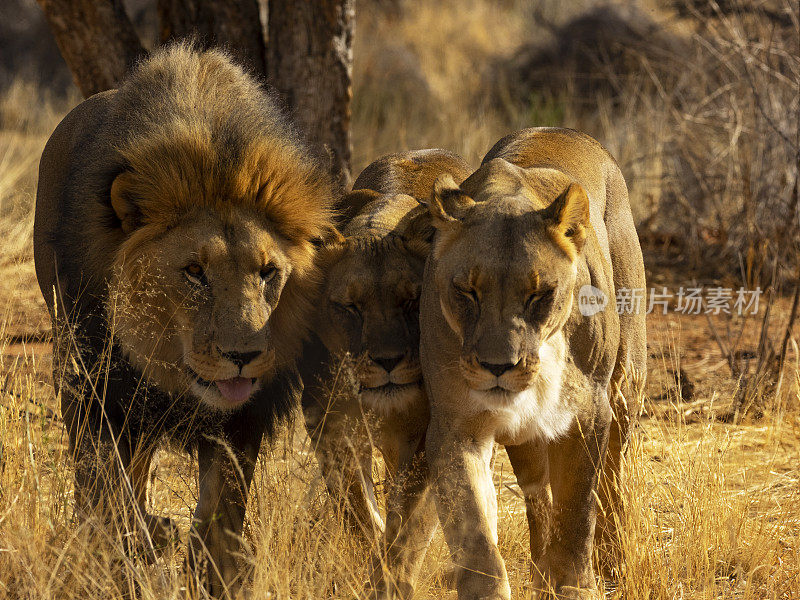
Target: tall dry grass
[(713, 511), (713, 508)]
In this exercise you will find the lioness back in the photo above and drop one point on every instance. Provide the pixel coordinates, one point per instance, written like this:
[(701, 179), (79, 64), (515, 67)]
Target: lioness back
[(412, 173)]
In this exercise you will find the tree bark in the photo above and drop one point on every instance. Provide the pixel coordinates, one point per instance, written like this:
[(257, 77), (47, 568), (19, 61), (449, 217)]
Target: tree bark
[(310, 61), (308, 56), (232, 24), (96, 39)]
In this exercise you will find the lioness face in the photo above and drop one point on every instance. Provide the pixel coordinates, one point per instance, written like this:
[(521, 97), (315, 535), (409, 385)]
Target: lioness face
[(505, 276), (195, 303), (372, 311)]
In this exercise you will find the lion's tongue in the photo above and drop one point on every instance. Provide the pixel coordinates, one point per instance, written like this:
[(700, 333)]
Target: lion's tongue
[(236, 389)]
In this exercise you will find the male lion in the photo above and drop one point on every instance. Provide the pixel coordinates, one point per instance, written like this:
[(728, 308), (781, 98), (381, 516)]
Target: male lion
[(507, 355), (370, 310), (176, 221)]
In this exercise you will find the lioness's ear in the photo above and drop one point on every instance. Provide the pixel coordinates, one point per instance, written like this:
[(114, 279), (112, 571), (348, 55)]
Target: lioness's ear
[(353, 202), (418, 237), (448, 204), (331, 248), (329, 236), (122, 201), (569, 217)]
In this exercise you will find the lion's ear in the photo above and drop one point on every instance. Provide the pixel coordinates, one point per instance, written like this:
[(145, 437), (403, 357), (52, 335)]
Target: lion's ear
[(448, 204), (569, 217), (122, 202)]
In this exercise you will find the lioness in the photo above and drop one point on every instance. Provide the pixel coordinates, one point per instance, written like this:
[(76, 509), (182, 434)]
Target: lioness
[(508, 357), (370, 310), (175, 245)]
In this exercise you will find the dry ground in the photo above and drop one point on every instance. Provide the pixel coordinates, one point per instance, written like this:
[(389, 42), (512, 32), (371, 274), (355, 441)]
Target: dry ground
[(713, 507)]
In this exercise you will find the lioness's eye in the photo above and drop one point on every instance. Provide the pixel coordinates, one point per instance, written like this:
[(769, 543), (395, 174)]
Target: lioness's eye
[(538, 297), (470, 293), (195, 272), (268, 272)]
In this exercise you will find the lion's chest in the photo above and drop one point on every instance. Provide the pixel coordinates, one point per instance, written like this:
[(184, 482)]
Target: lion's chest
[(537, 413)]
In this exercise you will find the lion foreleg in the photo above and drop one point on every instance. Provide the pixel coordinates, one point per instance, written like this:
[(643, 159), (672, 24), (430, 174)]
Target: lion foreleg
[(160, 531), (467, 505), (226, 470)]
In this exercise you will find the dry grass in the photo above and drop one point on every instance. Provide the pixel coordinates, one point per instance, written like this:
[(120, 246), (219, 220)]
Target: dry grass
[(713, 508)]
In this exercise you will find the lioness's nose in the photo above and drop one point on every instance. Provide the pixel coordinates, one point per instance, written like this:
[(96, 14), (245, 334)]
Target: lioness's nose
[(388, 363), (497, 370), (240, 359)]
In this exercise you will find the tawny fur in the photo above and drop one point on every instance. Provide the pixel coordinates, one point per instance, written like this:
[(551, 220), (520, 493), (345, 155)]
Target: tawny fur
[(190, 145), (378, 265), (508, 358)]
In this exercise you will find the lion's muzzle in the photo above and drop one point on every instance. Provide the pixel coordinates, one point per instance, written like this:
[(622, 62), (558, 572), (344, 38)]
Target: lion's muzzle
[(227, 379)]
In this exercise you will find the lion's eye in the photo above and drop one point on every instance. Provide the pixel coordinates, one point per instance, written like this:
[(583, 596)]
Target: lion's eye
[(411, 305), (268, 272), (349, 308), (195, 272)]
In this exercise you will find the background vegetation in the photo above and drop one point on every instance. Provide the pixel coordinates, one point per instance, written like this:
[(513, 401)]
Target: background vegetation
[(697, 99)]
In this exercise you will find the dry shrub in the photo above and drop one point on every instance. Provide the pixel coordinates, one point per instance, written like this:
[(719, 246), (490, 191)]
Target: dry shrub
[(701, 112), (441, 49), (609, 50)]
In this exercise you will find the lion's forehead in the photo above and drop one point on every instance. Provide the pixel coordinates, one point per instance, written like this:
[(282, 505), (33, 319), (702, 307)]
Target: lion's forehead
[(235, 237)]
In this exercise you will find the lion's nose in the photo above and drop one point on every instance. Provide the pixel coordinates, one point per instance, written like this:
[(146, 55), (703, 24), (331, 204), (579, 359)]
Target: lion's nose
[(388, 363), (497, 370), (240, 359)]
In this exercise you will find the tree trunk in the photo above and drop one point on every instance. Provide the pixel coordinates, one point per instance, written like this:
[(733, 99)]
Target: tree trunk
[(96, 39), (310, 61), (233, 24), (308, 56)]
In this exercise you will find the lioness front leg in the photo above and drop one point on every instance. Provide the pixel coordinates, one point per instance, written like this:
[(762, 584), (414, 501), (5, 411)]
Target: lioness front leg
[(342, 449), (411, 520), (460, 471), (530, 465), (565, 570), (627, 385)]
